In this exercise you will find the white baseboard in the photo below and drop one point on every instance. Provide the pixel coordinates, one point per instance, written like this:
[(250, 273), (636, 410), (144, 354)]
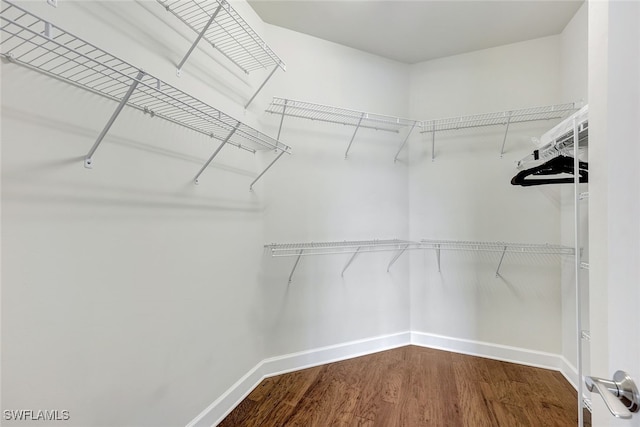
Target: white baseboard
[(504, 353), (219, 409), (223, 405), (570, 372), (320, 356)]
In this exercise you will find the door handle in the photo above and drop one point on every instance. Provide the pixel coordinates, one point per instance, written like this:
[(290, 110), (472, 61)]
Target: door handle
[(620, 394)]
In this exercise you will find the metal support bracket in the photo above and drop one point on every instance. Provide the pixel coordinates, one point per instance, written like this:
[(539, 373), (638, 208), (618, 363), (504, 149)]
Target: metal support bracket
[(88, 162), (433, 146), (395, 159), (438, 257), (295, 265), (504, 140), (504, 251), (195, 43), (264, 171), (396, 256), (284, 110), (215, 153), (350, 261), (262, 85), (354, 135)]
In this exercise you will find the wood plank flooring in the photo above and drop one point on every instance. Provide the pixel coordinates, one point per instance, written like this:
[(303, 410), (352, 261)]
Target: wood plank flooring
[(411, 387)]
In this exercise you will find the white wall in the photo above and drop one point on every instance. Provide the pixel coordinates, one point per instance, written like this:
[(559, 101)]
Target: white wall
[(129, 295), (318, 196), (465, 194)]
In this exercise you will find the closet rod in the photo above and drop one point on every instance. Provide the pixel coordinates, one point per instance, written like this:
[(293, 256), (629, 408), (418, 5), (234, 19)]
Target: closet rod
[(61, 55), (224, 29)]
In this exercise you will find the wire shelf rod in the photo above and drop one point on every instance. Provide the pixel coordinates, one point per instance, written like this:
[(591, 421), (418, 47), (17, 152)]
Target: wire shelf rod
[(63, 56)]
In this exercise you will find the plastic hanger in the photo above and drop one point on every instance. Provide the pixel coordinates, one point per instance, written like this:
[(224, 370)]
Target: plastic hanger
[(556, 166)]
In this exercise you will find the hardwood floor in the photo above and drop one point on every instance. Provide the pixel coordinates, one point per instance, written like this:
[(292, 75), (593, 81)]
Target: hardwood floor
[(410, 387)]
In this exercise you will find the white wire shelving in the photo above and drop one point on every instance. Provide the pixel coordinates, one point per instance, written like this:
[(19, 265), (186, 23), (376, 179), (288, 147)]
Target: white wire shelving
[(343, 116), (503, 118), (559, 140), (499, 247), (38, 45), (357, 247), (222, 27)]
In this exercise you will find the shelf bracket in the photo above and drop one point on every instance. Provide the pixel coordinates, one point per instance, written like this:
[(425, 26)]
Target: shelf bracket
[(504, 251), (504, 140), (88, 162), (266, 169), (215, 153), (195, 43), (262, 85), (438, 257), (395, 159), (433, 146), (354, 135), (396, 256), (350, 261), (284, 111), (295, 265)]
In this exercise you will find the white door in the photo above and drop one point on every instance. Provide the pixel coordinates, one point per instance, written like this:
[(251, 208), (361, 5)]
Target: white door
[(614, 202)]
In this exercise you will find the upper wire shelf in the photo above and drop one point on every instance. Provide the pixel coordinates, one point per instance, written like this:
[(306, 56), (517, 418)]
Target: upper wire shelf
[(559, 140), (499, 118), (223, 28), (338, 115), (36, 44), (505, 118), (229, 33)]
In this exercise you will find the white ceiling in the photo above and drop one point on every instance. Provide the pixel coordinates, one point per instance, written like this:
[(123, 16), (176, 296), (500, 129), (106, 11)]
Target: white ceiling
[(419, 30)]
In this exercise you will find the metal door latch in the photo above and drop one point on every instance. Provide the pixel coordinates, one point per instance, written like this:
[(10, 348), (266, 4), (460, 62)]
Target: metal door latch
[(620, 394)]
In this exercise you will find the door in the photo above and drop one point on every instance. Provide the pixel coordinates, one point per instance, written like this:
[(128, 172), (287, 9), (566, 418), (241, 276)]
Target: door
[(614, 196)]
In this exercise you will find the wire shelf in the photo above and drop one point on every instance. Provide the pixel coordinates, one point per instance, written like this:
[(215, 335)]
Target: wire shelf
[(337, 115), (325, 248), (229, 33), (525, 248), (499, 118), (38, 45), (560, 141)]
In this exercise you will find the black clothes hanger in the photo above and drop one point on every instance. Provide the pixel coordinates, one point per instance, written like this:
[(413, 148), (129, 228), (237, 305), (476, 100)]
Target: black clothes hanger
[(555, 166)]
